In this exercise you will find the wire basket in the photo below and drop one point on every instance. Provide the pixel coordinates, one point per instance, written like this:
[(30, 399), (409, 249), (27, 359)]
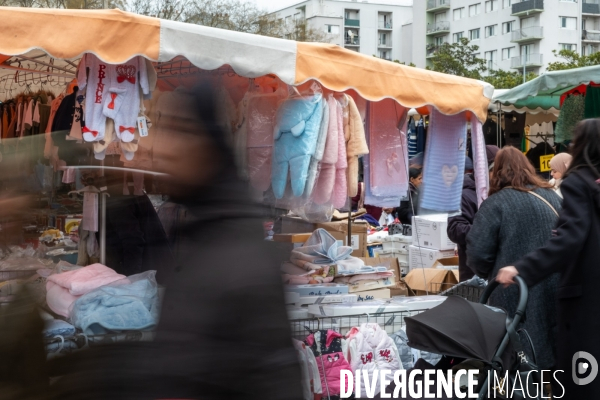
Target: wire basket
[(392, 322), (471, 293)]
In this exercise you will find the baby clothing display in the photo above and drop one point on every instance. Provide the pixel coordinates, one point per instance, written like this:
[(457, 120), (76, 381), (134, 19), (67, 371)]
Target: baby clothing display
[(112, 91), (296, 133), (356, 143), (370, 349), (444, 167), (326, 179), (340, 189), (480, 162), (326, 346), (313, 169)]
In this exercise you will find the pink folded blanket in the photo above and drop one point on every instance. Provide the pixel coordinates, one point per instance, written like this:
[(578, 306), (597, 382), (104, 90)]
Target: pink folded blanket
[(86, 279)]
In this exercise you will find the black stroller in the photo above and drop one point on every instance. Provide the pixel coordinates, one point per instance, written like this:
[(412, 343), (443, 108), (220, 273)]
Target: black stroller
[(464, 330)]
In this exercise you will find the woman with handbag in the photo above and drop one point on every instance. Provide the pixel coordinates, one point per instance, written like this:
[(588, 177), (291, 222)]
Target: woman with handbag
[(518, 217), (573, 251)]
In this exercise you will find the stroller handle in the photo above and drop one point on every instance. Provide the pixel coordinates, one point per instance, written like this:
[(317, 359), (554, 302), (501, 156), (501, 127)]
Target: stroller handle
[(523, 295)]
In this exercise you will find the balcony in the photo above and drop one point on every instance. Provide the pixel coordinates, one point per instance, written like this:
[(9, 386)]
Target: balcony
[(588, 36), (352, 41), (439, 28), (527, 7), (590, 7), (387, 42), (437, 5), (385, 25), (527, 34), (351, 22), (432, 50), (530, 60)]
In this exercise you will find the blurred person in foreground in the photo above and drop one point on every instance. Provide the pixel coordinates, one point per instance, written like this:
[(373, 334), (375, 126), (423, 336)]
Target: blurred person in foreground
[(573, 251), (510, 223), (224, 331)]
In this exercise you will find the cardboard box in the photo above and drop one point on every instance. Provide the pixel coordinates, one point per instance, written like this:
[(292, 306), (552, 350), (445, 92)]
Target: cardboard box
[(401, 289), (373, 294), (429, 231), (339, 230), (389, 263), (292, 237), (420, 257), (425, 281), (446, 263), (294, 225), (371, 284)]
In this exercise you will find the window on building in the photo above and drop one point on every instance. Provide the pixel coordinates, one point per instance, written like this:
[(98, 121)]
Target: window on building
[(440, 40), (474, 34), (506, 3), (507, 27), (474, 10), (459, 13), (490, 30), (296, 17), (491, 5), (491, 57), (508, 53), (568, 46), (567, 22), (457, 36), (288, 20), (333, 29)]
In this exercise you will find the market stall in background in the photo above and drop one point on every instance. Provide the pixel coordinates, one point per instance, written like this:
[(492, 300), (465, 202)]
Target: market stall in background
[(318, 131)]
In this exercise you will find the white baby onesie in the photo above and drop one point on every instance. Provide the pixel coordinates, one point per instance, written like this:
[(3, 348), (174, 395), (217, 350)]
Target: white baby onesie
[(123, 100), (97, 91)]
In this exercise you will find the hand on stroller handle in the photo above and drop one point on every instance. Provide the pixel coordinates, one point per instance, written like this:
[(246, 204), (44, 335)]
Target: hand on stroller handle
[(506, 276)]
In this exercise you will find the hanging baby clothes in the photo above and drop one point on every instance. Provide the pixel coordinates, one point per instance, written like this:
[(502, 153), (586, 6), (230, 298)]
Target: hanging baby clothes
[(123, 100), (326, 178), (444, 167), (240, 137), (480, 161), (49, 147), (571, 113), (421, 136), (389, 169), (90, 210), (296, 133), (340, 189), (356, 144), (313, 170), (261, 112), (96, 84), (326, 346)]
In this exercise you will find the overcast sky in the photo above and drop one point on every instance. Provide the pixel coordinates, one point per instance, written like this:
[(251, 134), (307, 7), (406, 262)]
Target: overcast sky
[(272, 5)]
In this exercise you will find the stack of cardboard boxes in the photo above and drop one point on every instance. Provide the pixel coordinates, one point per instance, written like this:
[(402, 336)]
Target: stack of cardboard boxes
[(432, 259)]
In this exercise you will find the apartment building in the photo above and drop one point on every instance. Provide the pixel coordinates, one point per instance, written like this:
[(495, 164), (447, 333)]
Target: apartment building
[(511, 35), (366, 26)]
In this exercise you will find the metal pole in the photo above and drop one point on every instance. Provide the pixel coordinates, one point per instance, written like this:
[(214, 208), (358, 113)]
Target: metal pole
[(103, 196)]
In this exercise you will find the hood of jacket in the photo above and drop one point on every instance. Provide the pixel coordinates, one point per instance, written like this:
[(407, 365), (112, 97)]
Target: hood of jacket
[(469, 182)]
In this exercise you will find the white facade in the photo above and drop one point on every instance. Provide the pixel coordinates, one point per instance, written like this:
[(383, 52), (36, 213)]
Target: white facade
[(367, 27), (508, 33)]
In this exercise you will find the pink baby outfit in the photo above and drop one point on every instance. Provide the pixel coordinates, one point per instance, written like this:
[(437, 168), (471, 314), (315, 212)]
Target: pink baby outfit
[(123, 101), (326, 178), (326, 346), (340, 190)]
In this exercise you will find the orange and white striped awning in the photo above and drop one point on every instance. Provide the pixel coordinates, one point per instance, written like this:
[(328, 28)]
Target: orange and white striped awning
[(116, 36)]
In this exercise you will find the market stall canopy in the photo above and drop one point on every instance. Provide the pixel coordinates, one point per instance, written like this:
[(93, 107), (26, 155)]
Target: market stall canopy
[(527, 106), (546, 90), (116, 36)]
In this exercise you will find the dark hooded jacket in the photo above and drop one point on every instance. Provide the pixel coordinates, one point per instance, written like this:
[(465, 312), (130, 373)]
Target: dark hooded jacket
[(460, 225)]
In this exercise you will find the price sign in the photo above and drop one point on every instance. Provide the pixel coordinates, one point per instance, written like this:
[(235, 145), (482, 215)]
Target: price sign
[(545, 163)]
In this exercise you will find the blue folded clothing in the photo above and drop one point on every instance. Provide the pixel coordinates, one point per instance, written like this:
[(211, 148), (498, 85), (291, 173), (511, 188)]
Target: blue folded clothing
[(130, 304), (57, 327)]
